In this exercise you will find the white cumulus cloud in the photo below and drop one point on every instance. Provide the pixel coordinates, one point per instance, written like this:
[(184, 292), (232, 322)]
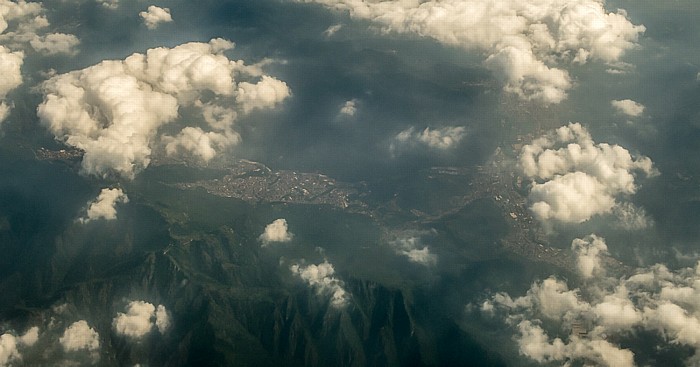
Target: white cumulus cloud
[(140, 318), (575, 178), (349, 108), (30, 337), (80, 336), (442, 138), (656, 299), (24, 23), (413, 249), (114, 110), (56, 43), (9, 344), (155, 15), (588, 253), (104, 206), (10, 78), (8, 349), (277, 231), (628, 107), (526, 43), (109, 4), (321, 278)]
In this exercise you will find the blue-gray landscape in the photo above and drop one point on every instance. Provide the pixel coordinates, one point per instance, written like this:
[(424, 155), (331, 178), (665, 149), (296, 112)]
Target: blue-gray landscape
[(350, 183)]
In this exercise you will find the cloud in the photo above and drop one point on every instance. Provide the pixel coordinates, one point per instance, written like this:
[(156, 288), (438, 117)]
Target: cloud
[(9, 344), (332, 30), (349, 108), (56, 43), (23, 23), (441, 139), (10, 78), (114, 110), (266, 93), (628, 107), (655, 299), (277, 231), (140, 318), (8, 349), (631, 217), (80, 336), (535, 344), (575, 178), (526, 43), (321, 278), (104, 206), (155, 16), (17, 20), (30, 337), (412, 247), (109, 4), (163, 319), (588, 253)]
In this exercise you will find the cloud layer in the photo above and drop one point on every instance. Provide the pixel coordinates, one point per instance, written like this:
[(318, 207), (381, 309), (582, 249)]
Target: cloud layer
[(525, 43), (655, 299), (115, 109), (575, 178)]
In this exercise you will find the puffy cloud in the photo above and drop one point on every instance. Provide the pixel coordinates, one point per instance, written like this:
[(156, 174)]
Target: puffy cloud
[(30, 337), (199, 143), (26, 17), (277, 231), (8, 349), (80, 336), (9, 344), (535, 344), (154, 16), (321, 278), (616, 311), (573, 198), (163, 320), (104, 206), (10, 78), (576, 178), (29, 22), (26, 14), (442, 138), (628, 107), (349, 108), (526, 43), (115, 109), (412, 247), (140, 318), (266, 93), (655, 299), (109, 4), (588, 253), (56, 43)]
